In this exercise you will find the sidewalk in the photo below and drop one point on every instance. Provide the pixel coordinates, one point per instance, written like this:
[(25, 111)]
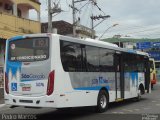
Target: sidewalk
[(1, 96)]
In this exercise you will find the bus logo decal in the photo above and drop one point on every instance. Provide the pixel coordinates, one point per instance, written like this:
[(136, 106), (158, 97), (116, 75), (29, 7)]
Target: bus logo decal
[(13, 46), (32, 76)]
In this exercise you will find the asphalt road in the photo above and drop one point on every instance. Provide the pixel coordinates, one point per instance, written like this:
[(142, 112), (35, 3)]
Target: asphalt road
[(146, 109)]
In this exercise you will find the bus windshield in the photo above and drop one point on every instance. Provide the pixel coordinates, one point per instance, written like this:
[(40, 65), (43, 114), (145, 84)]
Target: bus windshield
[(29, 49)]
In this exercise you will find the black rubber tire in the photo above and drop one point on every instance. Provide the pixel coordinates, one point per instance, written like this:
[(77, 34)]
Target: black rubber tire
[(139, 96), (102, 94)]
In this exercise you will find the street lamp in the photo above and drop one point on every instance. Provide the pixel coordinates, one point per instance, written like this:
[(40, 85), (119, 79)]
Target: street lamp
[(107, 30)]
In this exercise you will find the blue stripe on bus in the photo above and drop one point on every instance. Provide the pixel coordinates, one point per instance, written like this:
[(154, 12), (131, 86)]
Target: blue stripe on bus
[(16, 38), (92, 88), (13, 66), (131, 51), (28, 80)]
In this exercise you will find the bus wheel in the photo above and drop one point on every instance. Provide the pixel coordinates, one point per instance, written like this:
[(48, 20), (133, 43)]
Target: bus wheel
[(102, 102), (138, 98)]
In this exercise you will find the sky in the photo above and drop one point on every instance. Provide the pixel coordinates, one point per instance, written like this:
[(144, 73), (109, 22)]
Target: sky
[(135, 18)]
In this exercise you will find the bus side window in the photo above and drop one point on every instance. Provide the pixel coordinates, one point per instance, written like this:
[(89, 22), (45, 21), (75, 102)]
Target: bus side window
[(106, 61), (92, 54), (72, 57)]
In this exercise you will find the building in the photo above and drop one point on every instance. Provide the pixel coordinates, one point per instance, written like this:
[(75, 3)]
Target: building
[(65, 28), (151, 46), (15, 20)]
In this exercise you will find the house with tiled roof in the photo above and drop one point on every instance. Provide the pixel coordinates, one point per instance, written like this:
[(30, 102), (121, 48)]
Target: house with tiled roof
[(66, 28)]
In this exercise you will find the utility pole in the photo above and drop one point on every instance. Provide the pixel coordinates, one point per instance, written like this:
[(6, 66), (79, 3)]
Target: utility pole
[(103, 17), (74, 10), (97, 18), (51, 11), (74, 18), (49, 17)]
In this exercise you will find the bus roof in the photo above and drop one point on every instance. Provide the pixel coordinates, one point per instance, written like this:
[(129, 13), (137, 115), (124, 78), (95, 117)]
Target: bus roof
[(87, 41), (142, 53), (98, 43)]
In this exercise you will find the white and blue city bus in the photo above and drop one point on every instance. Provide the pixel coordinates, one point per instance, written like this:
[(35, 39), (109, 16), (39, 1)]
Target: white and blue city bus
[(51, 70)]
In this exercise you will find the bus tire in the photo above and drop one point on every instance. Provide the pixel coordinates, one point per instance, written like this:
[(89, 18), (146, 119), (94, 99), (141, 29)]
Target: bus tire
[(138, 98), (140, 92), (102, 101)]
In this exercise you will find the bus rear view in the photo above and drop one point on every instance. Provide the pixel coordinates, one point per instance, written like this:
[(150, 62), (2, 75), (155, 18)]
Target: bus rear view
[(27, 71), (51, 70)]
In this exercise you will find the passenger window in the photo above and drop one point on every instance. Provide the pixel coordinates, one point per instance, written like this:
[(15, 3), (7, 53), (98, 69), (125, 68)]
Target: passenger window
[(106, 60), (71, 56), (92, 59)]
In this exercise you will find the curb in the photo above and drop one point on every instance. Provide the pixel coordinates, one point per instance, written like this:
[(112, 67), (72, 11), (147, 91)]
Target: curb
[(1, 97)]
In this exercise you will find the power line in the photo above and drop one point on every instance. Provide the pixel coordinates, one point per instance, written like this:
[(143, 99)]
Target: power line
[(83, 5), (74, 11), (141, 29), (144, 30), (88, 9)]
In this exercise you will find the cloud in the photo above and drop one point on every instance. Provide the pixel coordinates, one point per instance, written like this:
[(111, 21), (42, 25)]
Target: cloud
[(129, 14)]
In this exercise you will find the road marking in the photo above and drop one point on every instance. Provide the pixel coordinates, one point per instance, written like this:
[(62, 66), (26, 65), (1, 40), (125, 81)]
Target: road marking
[(115, 112), (2, 105), (146, 108), (154, 101), (157, 104), (137, 109), (128, 110), (121, 112), (118, 112)]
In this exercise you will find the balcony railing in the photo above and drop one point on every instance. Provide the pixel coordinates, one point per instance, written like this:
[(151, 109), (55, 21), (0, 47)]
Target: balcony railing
[(18, 25)]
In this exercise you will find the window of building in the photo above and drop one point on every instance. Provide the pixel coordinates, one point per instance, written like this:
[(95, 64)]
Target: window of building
[(19, 13), (8, 7)]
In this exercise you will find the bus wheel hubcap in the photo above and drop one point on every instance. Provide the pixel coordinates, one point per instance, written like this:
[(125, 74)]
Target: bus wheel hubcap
[(103, 101)]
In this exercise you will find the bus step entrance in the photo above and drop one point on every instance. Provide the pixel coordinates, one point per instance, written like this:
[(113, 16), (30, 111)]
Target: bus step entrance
[(119, 99)]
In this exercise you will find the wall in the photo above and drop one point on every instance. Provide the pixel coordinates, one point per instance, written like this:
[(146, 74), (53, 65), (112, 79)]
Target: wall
[(1, 62)]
